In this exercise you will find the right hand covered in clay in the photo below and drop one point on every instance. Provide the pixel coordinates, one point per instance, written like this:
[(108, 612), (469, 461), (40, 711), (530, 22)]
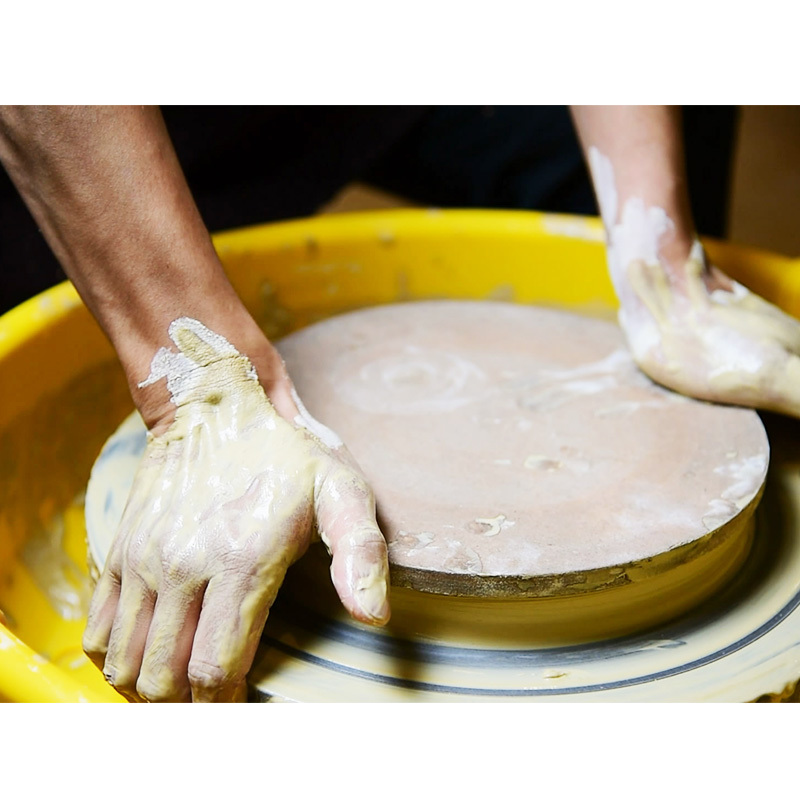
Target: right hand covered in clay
[(224, 501)]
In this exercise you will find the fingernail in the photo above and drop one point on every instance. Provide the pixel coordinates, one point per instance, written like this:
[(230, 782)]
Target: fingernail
[(372, 597)]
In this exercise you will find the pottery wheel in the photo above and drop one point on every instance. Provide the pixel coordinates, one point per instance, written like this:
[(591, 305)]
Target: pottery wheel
[(535, 489)]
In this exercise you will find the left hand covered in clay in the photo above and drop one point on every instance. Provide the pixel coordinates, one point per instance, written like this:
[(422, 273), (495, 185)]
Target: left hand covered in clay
[(702, 334), (689, 326), (224, 501)]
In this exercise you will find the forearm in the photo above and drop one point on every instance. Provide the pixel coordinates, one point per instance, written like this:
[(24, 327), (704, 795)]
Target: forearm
[(635, 153), (106, 189)]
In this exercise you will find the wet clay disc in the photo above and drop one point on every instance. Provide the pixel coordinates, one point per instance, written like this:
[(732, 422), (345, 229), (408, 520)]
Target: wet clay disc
[(518, 451)]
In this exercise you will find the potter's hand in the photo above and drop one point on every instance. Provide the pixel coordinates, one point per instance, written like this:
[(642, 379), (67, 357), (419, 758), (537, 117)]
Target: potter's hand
[(229, 492), (702, 334), (689, 326), (224, 501)]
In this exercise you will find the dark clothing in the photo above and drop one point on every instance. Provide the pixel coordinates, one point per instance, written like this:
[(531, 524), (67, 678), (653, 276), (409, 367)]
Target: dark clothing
[(247, 165)]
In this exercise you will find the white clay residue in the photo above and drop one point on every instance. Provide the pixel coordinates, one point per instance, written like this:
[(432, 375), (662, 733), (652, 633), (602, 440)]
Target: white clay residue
[(543, 463), (182, 373), (633, 238), (460, 558), (415, 381), (412, 543), (552, 388), (719, 512), (747, 476), (305, 420), (494, 524)]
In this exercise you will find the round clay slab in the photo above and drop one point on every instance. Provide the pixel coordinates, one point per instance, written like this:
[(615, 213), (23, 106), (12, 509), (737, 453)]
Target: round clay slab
[(508, 440)]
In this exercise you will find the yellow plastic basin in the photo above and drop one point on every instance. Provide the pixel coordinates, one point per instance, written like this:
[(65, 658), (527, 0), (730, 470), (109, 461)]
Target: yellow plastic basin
[(63, 393)]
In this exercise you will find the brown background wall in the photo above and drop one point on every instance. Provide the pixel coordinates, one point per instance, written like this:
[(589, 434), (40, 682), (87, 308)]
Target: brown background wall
[(765, 203)]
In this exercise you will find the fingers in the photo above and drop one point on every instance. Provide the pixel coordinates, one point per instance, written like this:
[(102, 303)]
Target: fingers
[(159, 650), (183, 645), (102, 611), (128, 634), (360, 565), (234, 612), (163, 676), (755, 315)]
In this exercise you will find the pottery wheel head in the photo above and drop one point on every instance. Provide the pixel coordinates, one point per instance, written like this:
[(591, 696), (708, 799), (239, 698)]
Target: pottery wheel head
[(507, 445)]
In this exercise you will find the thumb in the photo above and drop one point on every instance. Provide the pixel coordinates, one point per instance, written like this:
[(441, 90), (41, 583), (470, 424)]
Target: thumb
[(360, 565)]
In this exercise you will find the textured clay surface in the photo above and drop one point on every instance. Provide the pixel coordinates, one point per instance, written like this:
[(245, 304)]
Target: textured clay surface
[(513, 440)]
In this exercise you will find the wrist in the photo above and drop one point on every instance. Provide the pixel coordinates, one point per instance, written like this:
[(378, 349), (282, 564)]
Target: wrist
[(232, 322), (660, 237)]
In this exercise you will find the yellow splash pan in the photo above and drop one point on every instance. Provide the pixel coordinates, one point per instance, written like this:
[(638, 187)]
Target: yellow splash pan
[(64, 392)]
